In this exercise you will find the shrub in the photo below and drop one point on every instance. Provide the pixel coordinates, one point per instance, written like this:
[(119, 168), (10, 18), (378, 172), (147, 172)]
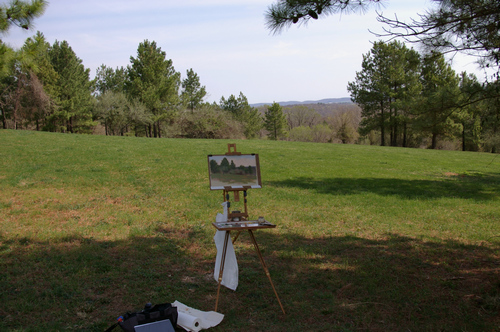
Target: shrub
[(301, 134), (208, 122)]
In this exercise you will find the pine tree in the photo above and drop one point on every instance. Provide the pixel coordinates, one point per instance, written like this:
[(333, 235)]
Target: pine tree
[(74, 92), (41, 93), (109, 79), (152, 79), (193, 93), (283, 13), (440, 96), (7, 57), (244, 113), (275, 121), (20, 13), (384, 89)]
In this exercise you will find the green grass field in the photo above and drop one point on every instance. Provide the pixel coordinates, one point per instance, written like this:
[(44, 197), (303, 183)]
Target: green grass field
[(367, 238)]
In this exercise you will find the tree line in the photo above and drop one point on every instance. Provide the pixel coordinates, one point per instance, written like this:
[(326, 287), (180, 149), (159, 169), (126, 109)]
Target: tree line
[(412, 100), (405, 98), (46, 87)]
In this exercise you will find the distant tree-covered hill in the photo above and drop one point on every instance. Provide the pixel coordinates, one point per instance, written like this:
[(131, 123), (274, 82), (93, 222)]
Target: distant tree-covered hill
[(307, 102)]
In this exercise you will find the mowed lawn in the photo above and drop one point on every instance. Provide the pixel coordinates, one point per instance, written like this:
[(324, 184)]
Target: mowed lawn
[(368, 238)]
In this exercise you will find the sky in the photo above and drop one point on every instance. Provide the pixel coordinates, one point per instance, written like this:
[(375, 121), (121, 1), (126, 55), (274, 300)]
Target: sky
[(225, 42)]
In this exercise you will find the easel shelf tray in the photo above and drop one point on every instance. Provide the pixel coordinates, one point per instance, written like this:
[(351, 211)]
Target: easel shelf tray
[(240, 225)]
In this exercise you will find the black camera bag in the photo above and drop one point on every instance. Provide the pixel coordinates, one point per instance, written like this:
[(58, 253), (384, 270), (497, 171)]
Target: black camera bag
[(149, 314)]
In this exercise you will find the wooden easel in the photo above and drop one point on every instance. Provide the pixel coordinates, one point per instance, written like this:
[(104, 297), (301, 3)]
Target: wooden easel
[(235, 214), (238, 221)]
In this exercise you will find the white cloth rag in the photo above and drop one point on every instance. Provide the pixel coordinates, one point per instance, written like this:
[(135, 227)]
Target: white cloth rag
[(230, 273)]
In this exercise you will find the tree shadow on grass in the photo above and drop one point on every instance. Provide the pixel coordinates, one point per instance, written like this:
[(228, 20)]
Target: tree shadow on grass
[(391, 284), (476, 187), (341, 283), (80, 284)]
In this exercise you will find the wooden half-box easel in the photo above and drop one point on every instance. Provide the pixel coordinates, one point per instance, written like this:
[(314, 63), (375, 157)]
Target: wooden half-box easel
[(239, 221)]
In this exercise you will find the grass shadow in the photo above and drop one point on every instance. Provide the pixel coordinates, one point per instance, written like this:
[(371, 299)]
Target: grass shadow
[(475, 187), (81, 284), (341, 283), (392, 284)]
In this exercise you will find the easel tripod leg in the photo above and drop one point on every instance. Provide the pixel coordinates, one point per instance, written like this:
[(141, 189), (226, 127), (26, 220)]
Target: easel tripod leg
[(265, 268), (221, 270)]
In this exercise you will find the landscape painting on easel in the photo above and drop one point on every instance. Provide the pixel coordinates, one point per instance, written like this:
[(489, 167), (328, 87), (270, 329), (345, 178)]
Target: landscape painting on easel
[(234, 171)]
